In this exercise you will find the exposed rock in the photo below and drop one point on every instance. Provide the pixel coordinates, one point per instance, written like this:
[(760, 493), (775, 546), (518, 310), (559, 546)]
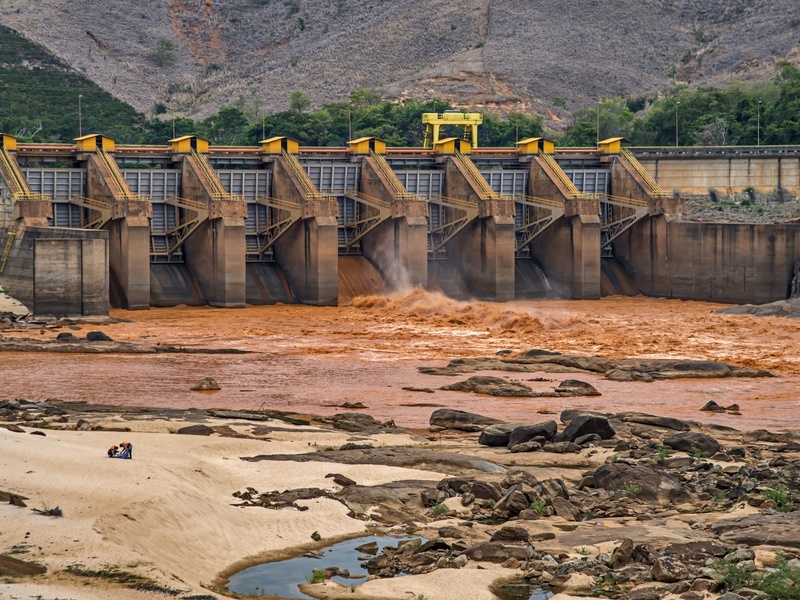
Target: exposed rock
[(340, 479), (448, 418), (570, 413), (626, 375), (526, 433), (712, 406), (14, 567), (98, 336), (493, 386), (353, 405), (206, 384), (566, 510), (691, 441), (653, 421), (575, 387), (498, 435), (584, 425), (516, 476), (368, 548), (66, 337), (561, 447), (498, 552), (668, 569), (587, 439), (531, 446), (652, 485), (781, 529), (622, 554), (407, 457), (511, 533), (198, 429)]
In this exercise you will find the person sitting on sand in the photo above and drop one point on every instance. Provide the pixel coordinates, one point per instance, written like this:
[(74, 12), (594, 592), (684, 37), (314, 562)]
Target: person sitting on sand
[(112, 452), (126, 450)]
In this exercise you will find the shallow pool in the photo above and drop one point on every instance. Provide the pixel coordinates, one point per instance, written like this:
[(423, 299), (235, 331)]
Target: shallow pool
[(282, 578)]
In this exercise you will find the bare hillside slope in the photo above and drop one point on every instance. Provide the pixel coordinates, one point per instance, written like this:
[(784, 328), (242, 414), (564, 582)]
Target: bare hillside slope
[(507, 53)]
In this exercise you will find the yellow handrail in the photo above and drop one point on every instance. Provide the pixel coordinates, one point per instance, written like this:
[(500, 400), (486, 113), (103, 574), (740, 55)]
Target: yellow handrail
[(537, 200), (651, 183), (12, 233), (12, 168), (311, 191), (117, 177), (476, 175), (211, 176), (572, 191)]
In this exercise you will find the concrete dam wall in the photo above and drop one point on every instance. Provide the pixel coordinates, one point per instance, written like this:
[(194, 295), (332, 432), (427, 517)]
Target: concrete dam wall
[(722, 262), (192, 225)]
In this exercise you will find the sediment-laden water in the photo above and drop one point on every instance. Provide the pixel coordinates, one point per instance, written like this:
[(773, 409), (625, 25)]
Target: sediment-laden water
[(312, 359)]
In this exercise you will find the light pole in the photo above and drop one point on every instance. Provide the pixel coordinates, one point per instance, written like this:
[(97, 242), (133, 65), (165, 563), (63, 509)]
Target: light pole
[(80, 116), (758, 123), (350, 120), (677, 104), (597, 128)]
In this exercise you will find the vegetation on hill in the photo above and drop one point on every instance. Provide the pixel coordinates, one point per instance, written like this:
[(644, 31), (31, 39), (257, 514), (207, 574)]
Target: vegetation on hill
[(40, 97), (737, 115)]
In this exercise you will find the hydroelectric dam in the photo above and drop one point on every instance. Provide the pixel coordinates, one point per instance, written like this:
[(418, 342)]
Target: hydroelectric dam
[(93, 224)]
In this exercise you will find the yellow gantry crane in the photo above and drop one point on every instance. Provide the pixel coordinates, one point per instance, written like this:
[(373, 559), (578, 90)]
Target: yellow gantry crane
[(434, 121)]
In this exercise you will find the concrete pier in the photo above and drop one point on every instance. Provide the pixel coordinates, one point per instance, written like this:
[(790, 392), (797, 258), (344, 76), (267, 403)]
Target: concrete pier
[(569, 250), (483, 252), (215, 252), (398, 246), (308, 251), (128, 227)]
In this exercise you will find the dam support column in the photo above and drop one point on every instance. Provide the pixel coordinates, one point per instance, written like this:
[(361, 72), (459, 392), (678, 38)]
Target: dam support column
[(128, 227), (308, 252), (569, 250), (484, 251), (216, 251), (399, 245)]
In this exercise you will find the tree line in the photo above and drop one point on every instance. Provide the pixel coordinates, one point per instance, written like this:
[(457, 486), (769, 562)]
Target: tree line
[(43, 100)]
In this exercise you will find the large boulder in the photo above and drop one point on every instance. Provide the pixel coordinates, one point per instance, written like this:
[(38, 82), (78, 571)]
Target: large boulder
[(653, 421), (497, 435), (781, 529), (639, 480), (493, 386), (449, 418), (693, 441), (576, 387), (526, 433), (498, 552), (584, 425)]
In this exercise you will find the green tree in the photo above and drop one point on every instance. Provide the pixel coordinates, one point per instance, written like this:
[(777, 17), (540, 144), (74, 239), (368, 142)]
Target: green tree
[(163, 53), (299, 101)]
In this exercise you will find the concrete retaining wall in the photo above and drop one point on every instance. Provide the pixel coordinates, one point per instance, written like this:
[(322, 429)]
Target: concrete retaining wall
[(55, 271), (773, 178), (723, 262)]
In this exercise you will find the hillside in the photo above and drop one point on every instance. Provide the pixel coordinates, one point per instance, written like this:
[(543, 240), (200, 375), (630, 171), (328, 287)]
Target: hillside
[(190, 57)]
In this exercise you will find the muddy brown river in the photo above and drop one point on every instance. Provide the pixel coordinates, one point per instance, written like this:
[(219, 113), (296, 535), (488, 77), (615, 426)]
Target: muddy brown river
[(311, 359)]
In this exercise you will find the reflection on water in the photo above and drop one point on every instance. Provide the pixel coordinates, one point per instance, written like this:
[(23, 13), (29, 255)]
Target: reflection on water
[(282, 578)]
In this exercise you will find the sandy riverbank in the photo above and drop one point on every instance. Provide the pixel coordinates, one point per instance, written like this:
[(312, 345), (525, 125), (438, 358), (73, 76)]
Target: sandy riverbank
[(167, 514)]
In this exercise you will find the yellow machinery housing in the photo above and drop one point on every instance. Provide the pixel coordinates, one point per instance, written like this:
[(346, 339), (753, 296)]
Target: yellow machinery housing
[(9, 142), (94, 141), (434, 121), (534, 145), (365, 145), (186, 143), (279, 143), (611, 145)]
